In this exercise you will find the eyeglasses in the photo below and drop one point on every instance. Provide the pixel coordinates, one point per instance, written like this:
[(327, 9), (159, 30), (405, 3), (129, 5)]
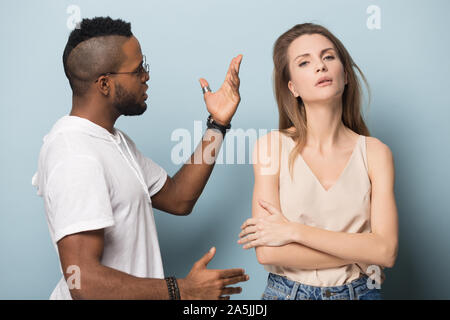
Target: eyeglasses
[(143, 68)]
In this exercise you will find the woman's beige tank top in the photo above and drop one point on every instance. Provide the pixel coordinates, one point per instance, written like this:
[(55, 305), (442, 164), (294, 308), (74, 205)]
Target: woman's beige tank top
[(344, 207)]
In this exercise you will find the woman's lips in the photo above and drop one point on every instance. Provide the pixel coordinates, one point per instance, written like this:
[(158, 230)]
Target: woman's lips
[(325, 83), (145, 96)]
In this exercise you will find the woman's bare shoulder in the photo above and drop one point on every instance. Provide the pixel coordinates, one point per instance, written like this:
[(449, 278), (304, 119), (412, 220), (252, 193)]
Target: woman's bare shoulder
[(266, 152), (376, 146), (379, 155), (273, 137)]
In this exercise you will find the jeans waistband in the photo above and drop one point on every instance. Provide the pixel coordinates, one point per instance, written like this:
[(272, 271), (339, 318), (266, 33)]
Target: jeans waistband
[(290, 287)]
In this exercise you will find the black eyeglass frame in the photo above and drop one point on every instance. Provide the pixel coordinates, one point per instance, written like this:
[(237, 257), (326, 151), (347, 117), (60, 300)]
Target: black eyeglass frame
[(143, 68)]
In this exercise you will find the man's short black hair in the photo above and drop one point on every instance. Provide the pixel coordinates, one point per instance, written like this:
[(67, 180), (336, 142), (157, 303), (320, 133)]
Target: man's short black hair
[(93, 48)]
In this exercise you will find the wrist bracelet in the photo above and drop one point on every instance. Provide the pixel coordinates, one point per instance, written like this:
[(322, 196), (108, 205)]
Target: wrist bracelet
[(172, 286), (177, 291), (169, 287), (211, 124)]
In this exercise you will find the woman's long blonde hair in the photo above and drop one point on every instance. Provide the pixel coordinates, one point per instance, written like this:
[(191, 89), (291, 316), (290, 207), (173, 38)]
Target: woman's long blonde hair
[(291, 109)]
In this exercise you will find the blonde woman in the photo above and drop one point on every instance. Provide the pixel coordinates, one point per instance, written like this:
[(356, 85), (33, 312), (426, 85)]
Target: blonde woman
[(324, 220)]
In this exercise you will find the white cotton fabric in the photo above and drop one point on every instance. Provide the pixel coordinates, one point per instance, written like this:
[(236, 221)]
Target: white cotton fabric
[(91, 179)]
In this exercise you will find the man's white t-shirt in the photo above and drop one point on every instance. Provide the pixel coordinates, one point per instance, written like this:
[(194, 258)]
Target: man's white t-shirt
[(91, 179)]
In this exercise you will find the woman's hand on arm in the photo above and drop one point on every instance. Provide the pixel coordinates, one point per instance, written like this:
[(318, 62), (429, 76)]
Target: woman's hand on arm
[(266, 157), (273, 230), (378, 247)]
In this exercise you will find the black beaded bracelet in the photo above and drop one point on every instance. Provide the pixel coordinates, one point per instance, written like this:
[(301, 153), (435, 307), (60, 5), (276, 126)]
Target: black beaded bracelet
[(211, 124), (177, 291), (172, 286)]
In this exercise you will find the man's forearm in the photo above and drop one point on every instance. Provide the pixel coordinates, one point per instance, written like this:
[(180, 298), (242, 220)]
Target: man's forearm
[(191, 179), (100, 282), (295, 255)]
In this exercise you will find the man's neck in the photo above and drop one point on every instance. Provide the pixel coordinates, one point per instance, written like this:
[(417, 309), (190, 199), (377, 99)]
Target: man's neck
[(94, 112)]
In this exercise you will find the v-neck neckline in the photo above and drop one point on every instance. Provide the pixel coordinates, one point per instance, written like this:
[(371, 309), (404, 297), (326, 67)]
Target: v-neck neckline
[(342, 172)]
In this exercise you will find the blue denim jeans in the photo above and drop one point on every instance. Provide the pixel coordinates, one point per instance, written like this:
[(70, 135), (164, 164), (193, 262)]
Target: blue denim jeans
[(281, 288)]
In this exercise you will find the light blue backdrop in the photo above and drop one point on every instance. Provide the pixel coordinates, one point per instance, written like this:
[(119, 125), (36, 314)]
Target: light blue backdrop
[(406, 63)]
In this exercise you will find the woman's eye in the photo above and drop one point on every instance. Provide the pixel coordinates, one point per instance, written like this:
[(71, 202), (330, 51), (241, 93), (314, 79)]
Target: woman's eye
[(303, 63), (329, 57)]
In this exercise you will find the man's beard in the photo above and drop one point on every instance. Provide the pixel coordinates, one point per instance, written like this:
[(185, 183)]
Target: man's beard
[(126, 103)]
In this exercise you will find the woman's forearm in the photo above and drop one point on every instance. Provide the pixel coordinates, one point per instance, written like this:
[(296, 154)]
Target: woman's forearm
[(295, 255), (367, 248)]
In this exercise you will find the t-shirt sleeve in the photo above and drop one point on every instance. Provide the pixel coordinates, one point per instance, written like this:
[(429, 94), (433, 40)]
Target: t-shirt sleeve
[(154, 175), (78, 197)]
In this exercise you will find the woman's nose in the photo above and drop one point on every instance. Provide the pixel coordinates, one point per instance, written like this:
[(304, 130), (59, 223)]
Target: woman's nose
[(321, 67)]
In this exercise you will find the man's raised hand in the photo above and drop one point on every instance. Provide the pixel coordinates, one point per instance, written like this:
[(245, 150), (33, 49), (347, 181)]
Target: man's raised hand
[(223, 103)]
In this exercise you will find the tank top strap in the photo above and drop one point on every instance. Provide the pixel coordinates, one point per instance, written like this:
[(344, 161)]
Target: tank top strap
[(287, 144), (363, 149)]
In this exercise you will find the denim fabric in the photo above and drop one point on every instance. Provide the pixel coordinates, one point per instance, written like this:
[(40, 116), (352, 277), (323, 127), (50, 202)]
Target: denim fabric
[(281, 288)]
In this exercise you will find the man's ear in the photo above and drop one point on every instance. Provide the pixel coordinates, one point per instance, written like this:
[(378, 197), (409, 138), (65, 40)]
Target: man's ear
[(104, 85), (292, 89)]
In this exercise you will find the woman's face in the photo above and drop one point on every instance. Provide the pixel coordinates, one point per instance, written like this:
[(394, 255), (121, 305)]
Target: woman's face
[(311, 58)]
